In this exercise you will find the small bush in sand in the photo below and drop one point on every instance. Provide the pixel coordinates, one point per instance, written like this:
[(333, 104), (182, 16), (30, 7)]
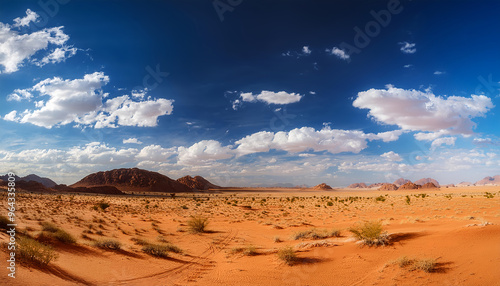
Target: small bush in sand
[(32, 251), (370, 233), (247, 251), (155, 250), (426, 265), (108, 244), (277, 239), (287, 254), (50, 227), (197, 224), (52, 231), (316, 234)]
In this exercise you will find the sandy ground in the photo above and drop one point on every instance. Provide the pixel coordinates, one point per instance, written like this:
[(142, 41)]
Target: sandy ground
[(459, 227)]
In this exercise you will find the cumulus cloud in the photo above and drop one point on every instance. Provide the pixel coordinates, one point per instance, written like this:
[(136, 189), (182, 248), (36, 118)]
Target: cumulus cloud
[(443, 141), (156, 153), (131, 141), (304, 52), (341, 54), (307, 138), (203, 152), (408, 48), (80, 101), (439, 72), (25, 21), (270, 97), (423, 111), (17, 48), (391, 156)]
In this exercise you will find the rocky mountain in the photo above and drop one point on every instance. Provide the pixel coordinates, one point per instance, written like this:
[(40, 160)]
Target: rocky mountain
[(322, 186), (464, 184), (32, 177), (376, 185), (357, 186), (489, 181), (409, 186), (401, 181), (29, 186), (429, 185), (197, 183), (388, 187), (427, 180), (133, 180)]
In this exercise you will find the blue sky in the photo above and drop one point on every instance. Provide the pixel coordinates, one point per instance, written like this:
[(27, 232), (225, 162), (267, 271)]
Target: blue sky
[(251, 93)]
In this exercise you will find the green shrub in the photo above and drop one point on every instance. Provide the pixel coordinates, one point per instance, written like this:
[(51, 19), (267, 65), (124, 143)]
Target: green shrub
[(103, 205), (380, 199), (108, 244), (370, 233), (32, 251), (197, 224), (287, 254)]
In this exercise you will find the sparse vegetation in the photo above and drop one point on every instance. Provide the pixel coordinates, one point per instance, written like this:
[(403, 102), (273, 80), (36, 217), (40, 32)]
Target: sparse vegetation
[(370, 233), (53, 231), (380, 199), (197, 224), (427, 264), (32, 251), (108, 244), (155, 250), (247, 251), (316, 234), (287, 254)]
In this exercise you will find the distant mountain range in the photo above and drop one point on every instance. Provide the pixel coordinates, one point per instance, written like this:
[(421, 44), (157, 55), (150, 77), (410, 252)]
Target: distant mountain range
[(32, 177), (134, 180)]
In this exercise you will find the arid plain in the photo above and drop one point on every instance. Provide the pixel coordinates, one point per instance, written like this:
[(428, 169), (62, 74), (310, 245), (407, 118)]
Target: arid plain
[(458, 229)]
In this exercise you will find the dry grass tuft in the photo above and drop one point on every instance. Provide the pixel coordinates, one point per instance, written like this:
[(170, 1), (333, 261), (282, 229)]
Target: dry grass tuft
[(316, 234), (108, 244), (32, 251), (197, 224), (370, 233), (287, 254)]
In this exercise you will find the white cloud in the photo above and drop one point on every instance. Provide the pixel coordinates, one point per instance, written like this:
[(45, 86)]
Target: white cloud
[(20, 94), (408, 66), (16, 48), (80, 101), (58, 55), (391, 156), (131, 141), (439, 72), (443, 141), (100, 153), (408, 48), (205, 151), (156, 153), (270, 97), (341, 54), (307, 138), (25, 21), (423, 111), (306, 50), (11, 116)]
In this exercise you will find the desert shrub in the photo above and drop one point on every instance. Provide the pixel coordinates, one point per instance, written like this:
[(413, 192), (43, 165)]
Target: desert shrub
[(50, 227), (277, 239), (316, 234), (172, 248), (197, 224), (404, 261), (4, 221), (248, 251), (156, 250), (370, 233), (63, 236), (287, 254), (380, 199), (108, 244), (426, 265), (103, 205), (32, 251)]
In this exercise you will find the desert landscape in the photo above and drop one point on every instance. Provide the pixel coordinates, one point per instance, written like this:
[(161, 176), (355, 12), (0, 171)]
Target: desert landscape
[(255, 236)]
